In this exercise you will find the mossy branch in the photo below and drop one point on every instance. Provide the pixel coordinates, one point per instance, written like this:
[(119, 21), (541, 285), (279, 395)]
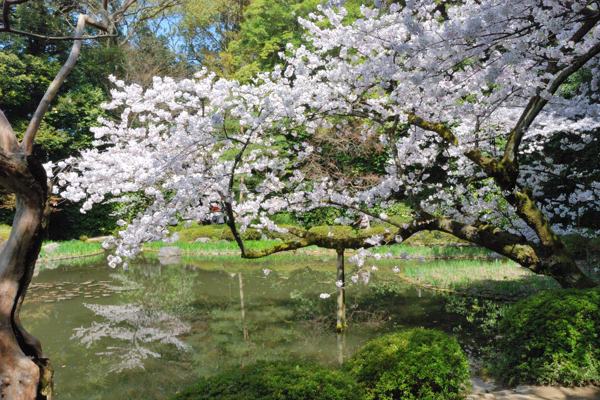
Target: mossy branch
[(552, 257), (329, 242)]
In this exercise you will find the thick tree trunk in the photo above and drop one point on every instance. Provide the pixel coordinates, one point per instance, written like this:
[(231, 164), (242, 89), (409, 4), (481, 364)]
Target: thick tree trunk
[(25, 372), (561, 266)]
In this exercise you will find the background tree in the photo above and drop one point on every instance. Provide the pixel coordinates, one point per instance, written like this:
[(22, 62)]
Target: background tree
[(208, 27), (267, 27)]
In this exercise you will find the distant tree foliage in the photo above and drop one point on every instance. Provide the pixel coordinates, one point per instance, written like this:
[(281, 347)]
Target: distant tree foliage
[(28, 65)]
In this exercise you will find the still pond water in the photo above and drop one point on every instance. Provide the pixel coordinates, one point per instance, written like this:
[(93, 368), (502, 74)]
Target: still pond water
[(150, 331)]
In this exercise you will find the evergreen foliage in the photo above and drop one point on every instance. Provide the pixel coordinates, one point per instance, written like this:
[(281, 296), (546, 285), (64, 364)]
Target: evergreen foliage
[(552, 339), (276, 380), (419, 364)]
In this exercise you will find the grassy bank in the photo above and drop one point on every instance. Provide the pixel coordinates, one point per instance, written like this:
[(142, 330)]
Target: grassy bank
[(459, 269), (495, 279), (71, 249), (487, 278), (398, 251)]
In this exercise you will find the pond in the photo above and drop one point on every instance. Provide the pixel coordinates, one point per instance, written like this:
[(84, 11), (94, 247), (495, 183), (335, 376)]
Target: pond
[(147, 332)]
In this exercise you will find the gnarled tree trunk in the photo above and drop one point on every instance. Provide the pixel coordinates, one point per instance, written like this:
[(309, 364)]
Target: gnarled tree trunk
[(25, 372)]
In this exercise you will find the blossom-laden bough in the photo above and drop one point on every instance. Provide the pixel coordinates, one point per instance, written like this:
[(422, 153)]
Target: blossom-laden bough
[(466, 99)]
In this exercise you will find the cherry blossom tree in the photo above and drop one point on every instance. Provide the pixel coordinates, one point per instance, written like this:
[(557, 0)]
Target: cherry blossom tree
[(465, 98)]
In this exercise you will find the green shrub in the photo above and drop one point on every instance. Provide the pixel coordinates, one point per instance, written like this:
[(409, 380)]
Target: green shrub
[(419, 364), (196, 231), (227, 235), (348, 231), (275, 380), (285, 218), (552, 338), (578, 245), (375, 230), (582, 247), (594, 248), (320, 216), (250, 234)]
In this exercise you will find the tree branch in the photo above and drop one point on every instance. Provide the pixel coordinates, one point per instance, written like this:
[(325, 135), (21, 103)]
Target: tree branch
[(57, 38), (8, 140), (537, 103), (229, 200), (5, 27), (36, 120)]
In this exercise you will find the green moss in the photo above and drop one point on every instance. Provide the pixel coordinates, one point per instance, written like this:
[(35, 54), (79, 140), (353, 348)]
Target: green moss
[(552, 339), (275, 380), (416, 364), (222, 232), (337, 231)]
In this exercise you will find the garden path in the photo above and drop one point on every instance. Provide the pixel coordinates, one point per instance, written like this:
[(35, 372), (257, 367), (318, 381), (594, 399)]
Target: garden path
[(487, 390)]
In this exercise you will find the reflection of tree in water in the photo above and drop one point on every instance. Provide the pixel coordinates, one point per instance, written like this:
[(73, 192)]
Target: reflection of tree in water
[(153, 298), (165, 287), (134, 326)]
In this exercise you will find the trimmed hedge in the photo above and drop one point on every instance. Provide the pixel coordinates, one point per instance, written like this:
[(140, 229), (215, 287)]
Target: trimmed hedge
[(552, 338), (196, 231), (276, 380), (416, 364)]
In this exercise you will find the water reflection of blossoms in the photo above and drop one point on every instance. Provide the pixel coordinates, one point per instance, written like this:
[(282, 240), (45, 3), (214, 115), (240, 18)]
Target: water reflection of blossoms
[(135, 327)]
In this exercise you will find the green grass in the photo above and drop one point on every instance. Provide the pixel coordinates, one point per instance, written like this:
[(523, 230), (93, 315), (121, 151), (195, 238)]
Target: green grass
[(398, 250), (507, 280), (431, 251), (5, 231), (70, 249), (481, 277), (232, 247), (73, 262)]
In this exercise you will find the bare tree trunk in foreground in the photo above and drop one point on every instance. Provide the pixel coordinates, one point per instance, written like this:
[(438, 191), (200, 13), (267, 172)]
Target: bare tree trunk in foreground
[(25, 371)]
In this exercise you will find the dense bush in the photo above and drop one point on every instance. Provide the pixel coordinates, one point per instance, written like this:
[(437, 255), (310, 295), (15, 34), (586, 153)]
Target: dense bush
[(276, 380), (320, 216), (70, 223), (250, 234), (552, 338), (195, 231), (582, 247), (419, 364)]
